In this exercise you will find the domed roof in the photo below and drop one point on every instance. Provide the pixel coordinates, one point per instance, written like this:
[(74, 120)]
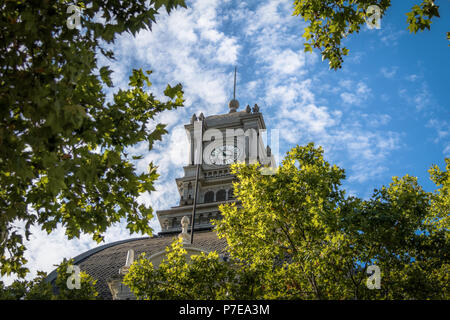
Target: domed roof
[(104, 262)]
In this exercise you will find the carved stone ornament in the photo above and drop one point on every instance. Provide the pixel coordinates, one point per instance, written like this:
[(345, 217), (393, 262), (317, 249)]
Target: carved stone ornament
[(128, 262), (114, 287), (184, 228)]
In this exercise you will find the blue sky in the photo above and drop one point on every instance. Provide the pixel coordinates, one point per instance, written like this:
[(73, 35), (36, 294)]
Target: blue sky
[(385, 113)]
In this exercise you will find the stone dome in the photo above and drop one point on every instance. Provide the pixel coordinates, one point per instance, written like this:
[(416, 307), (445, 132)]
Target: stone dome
[(104, 262)]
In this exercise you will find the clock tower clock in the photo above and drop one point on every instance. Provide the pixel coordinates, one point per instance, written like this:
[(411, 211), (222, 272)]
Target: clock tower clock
[(215, 142)]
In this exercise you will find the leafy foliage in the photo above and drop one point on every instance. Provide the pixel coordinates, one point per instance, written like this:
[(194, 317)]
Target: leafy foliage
[(420, 17), (330, 21), (290, 223), (62, 158), (330, 239), (203, 276), (40, 289), (296, 235), (440, 201)]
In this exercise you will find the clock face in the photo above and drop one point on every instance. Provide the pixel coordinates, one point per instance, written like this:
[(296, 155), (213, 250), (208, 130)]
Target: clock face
[(224, 155)]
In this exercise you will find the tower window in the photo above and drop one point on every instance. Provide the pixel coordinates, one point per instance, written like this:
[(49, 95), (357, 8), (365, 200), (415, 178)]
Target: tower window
[(209, 197), (221, 195)]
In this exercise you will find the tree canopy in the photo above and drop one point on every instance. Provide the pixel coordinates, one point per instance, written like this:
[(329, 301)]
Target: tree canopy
[(62, 143), (330, 21), (297, 235)]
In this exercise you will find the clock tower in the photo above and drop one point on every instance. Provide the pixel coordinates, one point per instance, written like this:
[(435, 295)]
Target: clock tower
[(215, 142)]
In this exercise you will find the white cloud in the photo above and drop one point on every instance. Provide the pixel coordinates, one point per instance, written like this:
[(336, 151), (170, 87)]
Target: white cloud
[(349, 98), (275, 37), (442, 128), (311, 118), (287, 62), (446, 151), (358, 96), (389, 73), (376, 120), (389, 36), (421, 97), (301, 120), (412, 77), (185, 47)]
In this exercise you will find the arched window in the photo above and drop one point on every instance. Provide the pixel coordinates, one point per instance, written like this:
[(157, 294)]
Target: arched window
[(209, 196), (221, 195)]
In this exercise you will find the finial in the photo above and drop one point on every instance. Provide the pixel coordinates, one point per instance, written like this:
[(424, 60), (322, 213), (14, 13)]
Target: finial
[(128, 262), (255, 108), (194, 118), (234, 104), (130, 258), (201, 117), (247, 109)]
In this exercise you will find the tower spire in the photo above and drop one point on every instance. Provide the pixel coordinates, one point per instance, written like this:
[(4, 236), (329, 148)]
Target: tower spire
[(234, 91), (234, 104)]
